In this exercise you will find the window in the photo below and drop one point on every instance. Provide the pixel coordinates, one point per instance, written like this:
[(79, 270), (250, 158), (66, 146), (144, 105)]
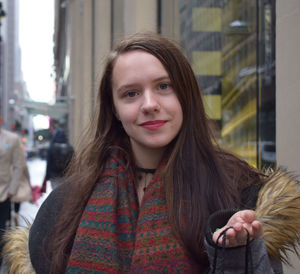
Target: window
[(231, 46)]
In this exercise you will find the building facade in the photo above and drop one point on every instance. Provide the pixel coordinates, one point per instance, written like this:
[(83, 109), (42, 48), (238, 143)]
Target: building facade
[(12, 86), (247, 71)]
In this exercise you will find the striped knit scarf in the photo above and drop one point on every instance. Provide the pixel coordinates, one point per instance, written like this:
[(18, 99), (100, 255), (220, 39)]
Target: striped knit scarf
[(115, 235)]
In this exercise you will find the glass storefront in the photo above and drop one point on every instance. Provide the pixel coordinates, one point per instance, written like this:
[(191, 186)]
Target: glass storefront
[(231, 45)]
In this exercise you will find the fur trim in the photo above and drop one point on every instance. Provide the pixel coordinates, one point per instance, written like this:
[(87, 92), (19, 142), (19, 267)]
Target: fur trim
[(278, 208), (16, 252)]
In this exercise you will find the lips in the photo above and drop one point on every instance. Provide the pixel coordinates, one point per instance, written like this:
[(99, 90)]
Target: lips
[(152, 125)]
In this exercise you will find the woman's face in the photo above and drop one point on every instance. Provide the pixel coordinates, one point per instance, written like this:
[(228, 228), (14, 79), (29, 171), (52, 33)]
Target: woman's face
[(145, 101)]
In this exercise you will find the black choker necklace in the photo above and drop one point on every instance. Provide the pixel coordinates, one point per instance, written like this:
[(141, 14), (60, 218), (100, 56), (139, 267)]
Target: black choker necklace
[(145, 170)]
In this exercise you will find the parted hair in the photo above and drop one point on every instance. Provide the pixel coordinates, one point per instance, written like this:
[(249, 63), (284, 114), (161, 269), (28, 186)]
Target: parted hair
[(199, 176)]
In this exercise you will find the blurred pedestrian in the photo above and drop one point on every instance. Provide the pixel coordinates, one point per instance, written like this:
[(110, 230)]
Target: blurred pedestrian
[(11, 168), (59, 155), (149, 190), (24, 192)]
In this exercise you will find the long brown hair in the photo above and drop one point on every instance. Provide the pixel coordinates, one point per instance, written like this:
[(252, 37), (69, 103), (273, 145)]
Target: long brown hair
[(200, 177)]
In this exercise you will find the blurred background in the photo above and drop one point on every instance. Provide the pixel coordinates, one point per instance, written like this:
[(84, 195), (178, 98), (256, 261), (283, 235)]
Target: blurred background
[(245, 54)]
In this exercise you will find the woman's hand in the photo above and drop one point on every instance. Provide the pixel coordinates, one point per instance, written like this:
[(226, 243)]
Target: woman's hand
[(240, 223)]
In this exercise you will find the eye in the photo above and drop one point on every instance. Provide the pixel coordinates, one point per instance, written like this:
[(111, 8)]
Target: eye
[(131, 94), (163, 86)]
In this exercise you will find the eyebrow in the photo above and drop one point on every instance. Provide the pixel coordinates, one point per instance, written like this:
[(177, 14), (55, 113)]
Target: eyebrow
[(129, 86), (162, 78)]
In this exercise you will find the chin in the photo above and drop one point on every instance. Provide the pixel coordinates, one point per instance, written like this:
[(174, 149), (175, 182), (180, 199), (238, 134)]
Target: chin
[(158, 144)]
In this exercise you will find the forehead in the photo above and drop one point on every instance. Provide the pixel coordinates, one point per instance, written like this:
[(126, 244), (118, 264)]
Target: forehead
[(135, 57), (136, 63)]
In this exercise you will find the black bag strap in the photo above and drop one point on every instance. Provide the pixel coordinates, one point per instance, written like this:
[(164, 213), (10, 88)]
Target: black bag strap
[(248, 254)]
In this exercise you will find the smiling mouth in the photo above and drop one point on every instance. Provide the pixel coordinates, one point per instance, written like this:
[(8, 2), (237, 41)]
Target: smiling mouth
[(152, 125)]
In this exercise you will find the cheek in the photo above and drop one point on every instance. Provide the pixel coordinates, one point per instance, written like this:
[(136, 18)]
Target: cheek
[(127, 120), (125, 115)]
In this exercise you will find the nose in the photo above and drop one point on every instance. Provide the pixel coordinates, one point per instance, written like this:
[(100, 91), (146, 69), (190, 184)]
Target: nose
[(150, 102)]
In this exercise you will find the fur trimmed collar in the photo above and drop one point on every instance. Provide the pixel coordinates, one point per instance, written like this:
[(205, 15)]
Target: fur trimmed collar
[(16, 252), (278, 208)]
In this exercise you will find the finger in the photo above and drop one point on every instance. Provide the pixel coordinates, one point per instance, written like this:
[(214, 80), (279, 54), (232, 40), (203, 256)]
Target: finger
[(234, 236), (257, 229), (241, 236), (216, 236), (238, 226), (229, 234), (234, 239), (254, 229), (248, 215)]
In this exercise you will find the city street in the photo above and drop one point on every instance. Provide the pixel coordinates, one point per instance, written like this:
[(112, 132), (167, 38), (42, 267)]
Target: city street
[(219, 79)]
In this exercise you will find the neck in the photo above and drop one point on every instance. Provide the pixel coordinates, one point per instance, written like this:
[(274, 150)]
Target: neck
[(148, 158)]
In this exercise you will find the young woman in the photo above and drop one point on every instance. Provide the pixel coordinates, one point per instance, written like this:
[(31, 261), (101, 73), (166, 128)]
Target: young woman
[(141, 189)]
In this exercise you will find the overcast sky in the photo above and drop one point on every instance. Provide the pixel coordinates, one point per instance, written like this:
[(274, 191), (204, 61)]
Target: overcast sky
[(36, 42), (36, 27)]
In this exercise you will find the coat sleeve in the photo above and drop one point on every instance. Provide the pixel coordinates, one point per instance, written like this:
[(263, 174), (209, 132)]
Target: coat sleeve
[(17, 166), (234, 260), (42, 229)]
